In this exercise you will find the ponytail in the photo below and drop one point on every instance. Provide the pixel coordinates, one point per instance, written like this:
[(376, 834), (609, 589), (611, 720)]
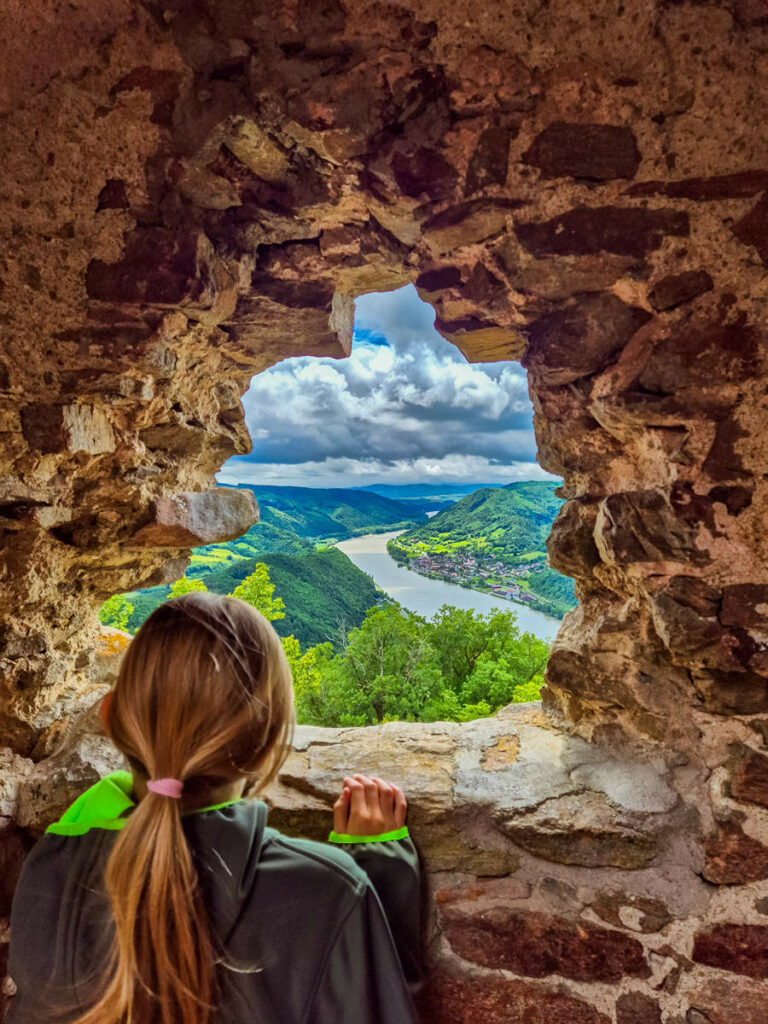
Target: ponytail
[(204, 694), (162, 962)]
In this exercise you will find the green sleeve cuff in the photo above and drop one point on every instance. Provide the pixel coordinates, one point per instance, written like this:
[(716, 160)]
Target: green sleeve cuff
[(400, 833)]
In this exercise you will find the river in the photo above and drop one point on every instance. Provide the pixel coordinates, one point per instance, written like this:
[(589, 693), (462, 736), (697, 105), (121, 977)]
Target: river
[(424, 595)]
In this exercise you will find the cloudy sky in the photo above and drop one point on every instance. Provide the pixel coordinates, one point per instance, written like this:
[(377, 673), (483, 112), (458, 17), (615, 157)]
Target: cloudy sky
[(406, 407)]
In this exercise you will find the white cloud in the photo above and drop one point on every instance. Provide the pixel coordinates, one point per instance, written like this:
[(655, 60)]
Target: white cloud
[(404, 406)]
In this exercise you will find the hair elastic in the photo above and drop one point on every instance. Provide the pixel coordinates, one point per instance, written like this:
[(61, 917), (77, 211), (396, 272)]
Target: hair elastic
[(166, 787)]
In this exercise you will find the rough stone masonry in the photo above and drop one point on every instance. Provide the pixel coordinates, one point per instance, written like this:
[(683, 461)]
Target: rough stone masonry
[(194, 190)]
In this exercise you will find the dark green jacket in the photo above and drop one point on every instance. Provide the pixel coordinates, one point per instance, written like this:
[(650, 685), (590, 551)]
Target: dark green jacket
[(313, 933)]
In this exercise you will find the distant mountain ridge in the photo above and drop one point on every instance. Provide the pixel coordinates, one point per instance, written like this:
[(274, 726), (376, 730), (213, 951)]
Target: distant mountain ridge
[(331, 513)]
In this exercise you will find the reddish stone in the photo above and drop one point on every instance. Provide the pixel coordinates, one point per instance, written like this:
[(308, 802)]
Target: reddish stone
[(536, 945), (424, 172), (490, 159), (742, 604), (741, 185), (735, 499), (694, 356), (598, 152), (733, 857), (626, 231), (749, 779), (43, 427), (732, 693), (580, 338), (162, 84), (571, 544), (685, 615), (438, 279), (451, 1000), (637, 1008), (674, 290), (730, 1001), (741, 948), (753, 229), (723, 462), (113, 196), (157, 266)]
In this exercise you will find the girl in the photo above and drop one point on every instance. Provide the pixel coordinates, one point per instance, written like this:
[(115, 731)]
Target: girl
[(162, 896)]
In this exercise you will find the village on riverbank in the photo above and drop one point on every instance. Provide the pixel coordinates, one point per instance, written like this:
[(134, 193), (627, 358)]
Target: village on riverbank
[(469, 569)]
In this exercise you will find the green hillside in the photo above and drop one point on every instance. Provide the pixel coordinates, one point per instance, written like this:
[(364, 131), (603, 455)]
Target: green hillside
[(511, 522), (494, 540), (332, 514), (322, 592), (319, 588)]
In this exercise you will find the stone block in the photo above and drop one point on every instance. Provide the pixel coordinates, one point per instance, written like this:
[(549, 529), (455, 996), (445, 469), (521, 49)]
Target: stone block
[(676, 289), (448, 999), (641, 526), (732, 693), (731, 1000), (741, 185), (467, 223), (740, 948), (204, 517), (424, 172), (580, 338), (733, 857), (752, 229), (59, 428), (581, 830), (538, 945), (749, 778), (625, 910), (490, 159), (597, 152), (746, 605), (585, 230), (637, 1008), (158, 266)]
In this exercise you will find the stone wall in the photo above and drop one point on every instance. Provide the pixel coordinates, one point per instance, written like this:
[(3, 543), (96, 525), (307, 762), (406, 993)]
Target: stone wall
[(192, 191)]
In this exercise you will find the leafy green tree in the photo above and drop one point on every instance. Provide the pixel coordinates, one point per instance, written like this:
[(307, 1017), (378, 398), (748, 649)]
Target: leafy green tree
[(258, 590), (186, 586), (116, 611), (307, 671)]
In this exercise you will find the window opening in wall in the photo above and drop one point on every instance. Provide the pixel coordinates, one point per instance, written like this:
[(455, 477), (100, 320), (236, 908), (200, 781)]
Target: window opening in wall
[(401, 550)]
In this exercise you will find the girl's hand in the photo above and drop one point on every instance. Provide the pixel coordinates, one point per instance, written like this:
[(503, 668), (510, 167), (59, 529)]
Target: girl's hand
[(369, 807)]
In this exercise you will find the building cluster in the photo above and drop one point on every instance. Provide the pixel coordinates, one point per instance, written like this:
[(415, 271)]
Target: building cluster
[(458, 567)]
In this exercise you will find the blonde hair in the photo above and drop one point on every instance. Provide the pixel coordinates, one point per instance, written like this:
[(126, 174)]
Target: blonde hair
[(203, 695)]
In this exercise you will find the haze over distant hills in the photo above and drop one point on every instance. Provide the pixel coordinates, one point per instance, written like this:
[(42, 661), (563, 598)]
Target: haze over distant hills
[(445, 492), (332, 513)]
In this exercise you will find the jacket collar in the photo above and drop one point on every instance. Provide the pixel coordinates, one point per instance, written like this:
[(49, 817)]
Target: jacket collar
[(107, 805)]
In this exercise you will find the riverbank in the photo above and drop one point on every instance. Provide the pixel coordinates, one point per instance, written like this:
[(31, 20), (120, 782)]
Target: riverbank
[(426, 595)]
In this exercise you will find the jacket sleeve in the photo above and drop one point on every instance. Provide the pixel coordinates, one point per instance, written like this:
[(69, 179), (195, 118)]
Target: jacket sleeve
[(363, 982), (394, 870)]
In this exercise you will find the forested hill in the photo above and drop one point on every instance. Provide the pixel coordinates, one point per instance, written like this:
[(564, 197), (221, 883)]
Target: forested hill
[(325, 594), (494, 540), (332, 513), (510, 522)]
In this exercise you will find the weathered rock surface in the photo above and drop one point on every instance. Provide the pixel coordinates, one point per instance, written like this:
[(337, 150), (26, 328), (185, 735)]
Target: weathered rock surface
[(189, 198)]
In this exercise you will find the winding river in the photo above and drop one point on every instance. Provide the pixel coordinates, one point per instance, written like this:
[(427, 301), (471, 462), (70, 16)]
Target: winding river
[(424, 595)]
